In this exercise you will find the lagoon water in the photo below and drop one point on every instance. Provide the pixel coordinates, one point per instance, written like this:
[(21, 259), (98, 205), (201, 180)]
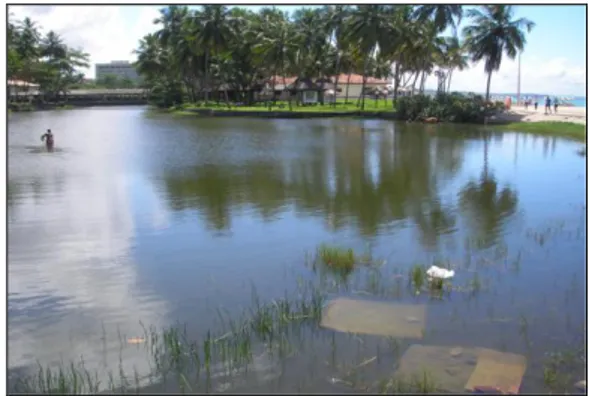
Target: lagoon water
[(142, 219)]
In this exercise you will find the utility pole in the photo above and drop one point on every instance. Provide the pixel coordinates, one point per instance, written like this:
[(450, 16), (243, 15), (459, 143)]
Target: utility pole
[(518, 87)]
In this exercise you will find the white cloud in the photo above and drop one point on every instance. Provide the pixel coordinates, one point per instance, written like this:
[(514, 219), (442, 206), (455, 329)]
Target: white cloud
[(105, 32), (538, 75)]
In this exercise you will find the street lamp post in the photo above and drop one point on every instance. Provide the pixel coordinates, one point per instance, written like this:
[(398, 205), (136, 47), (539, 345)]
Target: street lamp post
[(518, 82)]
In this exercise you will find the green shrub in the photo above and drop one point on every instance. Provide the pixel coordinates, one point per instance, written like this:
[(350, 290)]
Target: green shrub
[(166, 94), (446, 107), (21, 106)]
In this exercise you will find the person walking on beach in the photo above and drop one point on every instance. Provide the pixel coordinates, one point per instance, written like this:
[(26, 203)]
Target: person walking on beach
[(555, 104), (526, 103), (547, 105), (536, 103)]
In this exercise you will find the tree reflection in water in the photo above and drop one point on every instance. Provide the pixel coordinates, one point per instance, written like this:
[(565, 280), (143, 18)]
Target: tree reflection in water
[(332, 180)]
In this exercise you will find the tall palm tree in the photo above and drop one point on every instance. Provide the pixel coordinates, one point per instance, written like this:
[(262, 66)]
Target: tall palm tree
[(401, 47), (277, 44), (443, 16), (149, 57), (335, 23), (494, 32), (456, 58), (370, 27), (429, 51), (53, 47), (214, 34)]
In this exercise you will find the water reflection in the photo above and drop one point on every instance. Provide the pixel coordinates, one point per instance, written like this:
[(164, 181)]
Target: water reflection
[(487, 207), (73, 289), (153, 218), (358, 179)]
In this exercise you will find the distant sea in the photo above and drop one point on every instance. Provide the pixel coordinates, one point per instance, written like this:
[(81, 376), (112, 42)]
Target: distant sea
[(576, 101), (579, 102)]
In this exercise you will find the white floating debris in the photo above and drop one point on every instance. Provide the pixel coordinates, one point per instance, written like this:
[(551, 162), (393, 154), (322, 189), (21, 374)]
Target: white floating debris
[(441, 273)]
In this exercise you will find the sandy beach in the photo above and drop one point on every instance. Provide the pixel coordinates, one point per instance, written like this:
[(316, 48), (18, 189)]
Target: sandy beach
[(564, 114)]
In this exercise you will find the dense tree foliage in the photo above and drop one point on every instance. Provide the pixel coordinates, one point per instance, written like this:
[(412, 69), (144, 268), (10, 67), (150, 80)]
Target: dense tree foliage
[(44, 60), (214, 49)]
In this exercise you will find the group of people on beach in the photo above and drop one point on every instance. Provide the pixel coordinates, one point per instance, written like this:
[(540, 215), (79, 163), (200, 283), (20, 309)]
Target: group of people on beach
[(528, 101)]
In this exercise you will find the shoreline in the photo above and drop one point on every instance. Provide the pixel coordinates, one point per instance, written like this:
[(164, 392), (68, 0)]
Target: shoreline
[(26, 107), (575, 115), (569, 123), (286, 114)]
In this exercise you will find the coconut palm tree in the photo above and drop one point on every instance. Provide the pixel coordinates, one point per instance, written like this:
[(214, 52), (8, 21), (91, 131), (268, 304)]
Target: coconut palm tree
[(277, 44), (149, 57), (456, 58), (214, 32), (335, 25), (53, 47), (370, 27), (443, 16), (429, 51), (492, 34)]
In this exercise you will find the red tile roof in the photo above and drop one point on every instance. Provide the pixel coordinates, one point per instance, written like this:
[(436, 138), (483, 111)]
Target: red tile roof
[(358, 79), (279, 80), (20, 83), (354, 79)]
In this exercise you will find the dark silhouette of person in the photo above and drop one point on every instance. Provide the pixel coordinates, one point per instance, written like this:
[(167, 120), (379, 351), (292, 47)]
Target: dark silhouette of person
[(48, 138)]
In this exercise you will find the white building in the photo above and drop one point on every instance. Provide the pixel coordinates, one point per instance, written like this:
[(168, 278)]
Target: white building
[(122, 69)]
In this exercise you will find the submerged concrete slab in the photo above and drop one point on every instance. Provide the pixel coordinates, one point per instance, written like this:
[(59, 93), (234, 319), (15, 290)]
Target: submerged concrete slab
[(448, 368), (456, 369), (501, 371), (375, 318)]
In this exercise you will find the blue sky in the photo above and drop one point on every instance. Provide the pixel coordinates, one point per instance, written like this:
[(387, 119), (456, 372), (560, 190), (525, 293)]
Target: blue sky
[(554, 60)]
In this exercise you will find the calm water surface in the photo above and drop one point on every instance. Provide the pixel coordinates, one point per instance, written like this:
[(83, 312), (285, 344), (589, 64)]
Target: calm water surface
[(137, 217)]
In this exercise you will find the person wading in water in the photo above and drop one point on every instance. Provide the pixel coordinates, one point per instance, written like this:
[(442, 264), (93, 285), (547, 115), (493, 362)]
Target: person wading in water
[(48, 138)]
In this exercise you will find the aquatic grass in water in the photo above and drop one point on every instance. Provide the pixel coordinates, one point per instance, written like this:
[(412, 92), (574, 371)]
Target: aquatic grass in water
[(337, 258), (173, 352), (417, 277), (202, 363)]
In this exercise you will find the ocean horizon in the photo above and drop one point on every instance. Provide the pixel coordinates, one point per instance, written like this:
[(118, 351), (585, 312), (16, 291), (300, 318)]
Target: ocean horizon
[(576, 101)]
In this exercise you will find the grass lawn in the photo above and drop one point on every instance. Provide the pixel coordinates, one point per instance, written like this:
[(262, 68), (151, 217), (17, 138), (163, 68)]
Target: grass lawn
[(569, 130), (371, 105)]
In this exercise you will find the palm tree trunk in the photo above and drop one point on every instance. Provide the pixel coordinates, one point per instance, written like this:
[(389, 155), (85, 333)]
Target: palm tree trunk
[(347, 86), (362, 98), (274, 79), (414, 82), (336, 89), (449, 82), (488, 86), (422, 81), (226, 96), (395, 82), (337, 80), (286, 90), (206, 76)]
